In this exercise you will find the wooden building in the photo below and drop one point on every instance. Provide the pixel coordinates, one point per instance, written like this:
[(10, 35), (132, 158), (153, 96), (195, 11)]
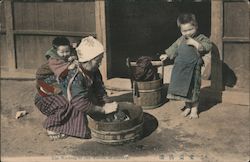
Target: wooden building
[(127, 28)]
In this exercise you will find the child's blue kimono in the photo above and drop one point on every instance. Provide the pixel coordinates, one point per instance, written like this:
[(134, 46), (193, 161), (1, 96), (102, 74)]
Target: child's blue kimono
[(186, 74)]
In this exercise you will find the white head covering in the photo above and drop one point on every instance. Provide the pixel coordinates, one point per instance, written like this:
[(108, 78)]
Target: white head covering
[(88, 49)]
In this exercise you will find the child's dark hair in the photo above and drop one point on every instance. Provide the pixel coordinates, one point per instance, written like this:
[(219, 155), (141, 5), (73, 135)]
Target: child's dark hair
[(60, 41), (186, 18)]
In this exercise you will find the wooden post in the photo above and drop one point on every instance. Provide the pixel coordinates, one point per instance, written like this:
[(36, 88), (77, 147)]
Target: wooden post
[(10, 44), (217, 51), (101, 34)]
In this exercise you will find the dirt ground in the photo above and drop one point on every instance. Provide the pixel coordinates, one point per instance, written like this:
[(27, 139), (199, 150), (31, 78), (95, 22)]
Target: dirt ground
[(220, 134)]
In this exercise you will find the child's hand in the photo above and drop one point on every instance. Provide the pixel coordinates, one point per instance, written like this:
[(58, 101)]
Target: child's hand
[(73, 64), (72, 58), (163, 57), (190, 41)]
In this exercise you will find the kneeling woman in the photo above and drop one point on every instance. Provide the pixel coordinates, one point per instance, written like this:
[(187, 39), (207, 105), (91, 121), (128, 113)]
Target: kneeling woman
[(82, 93)]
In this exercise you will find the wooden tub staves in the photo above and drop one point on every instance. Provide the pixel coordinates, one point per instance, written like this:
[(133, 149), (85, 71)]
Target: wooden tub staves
[(148, 94), (115, 133)]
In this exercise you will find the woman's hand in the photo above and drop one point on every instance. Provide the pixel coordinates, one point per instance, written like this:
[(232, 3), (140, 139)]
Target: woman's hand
[(73, 64), (163, 57), (110, 107)]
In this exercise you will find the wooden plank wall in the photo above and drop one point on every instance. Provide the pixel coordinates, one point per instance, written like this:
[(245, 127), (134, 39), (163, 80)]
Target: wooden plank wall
[(36, 23), (3, 54), (38, 18), (55, 16), (236, 43)]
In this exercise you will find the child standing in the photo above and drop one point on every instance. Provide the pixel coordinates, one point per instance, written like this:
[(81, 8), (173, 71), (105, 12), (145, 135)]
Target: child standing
[(186, 74)]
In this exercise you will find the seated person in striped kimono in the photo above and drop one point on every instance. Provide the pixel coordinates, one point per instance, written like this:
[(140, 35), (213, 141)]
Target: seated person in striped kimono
[(69, 96)]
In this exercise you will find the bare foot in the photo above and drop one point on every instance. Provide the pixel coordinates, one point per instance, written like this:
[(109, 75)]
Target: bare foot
[(186, 112), (194, 113)]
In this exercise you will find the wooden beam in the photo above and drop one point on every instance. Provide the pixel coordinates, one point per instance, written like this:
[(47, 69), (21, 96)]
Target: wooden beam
[(18, 74), (236, 39), (10, 44), (217, 50), (53, 33), (154, 63), (101, 34)]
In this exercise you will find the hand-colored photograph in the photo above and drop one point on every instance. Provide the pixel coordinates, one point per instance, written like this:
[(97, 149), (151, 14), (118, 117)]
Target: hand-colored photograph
[(124, 80)]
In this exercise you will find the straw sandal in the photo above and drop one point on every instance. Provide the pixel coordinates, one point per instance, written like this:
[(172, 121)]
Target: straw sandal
[(55, 136)]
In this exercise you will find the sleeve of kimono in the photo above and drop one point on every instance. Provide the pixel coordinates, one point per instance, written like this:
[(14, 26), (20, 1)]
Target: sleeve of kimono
[(82, 104), (172, 50), (85, 102), (99, 85), (206, 44)]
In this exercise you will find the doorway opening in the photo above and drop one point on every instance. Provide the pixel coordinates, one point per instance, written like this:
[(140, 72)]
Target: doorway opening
[(146, 28)]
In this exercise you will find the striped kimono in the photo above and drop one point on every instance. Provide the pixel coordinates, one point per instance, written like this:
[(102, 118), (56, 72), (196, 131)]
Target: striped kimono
[(64, 116)]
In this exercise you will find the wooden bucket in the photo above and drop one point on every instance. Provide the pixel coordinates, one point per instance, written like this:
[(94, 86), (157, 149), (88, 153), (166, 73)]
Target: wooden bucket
[(149, 94), (115, 133)]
